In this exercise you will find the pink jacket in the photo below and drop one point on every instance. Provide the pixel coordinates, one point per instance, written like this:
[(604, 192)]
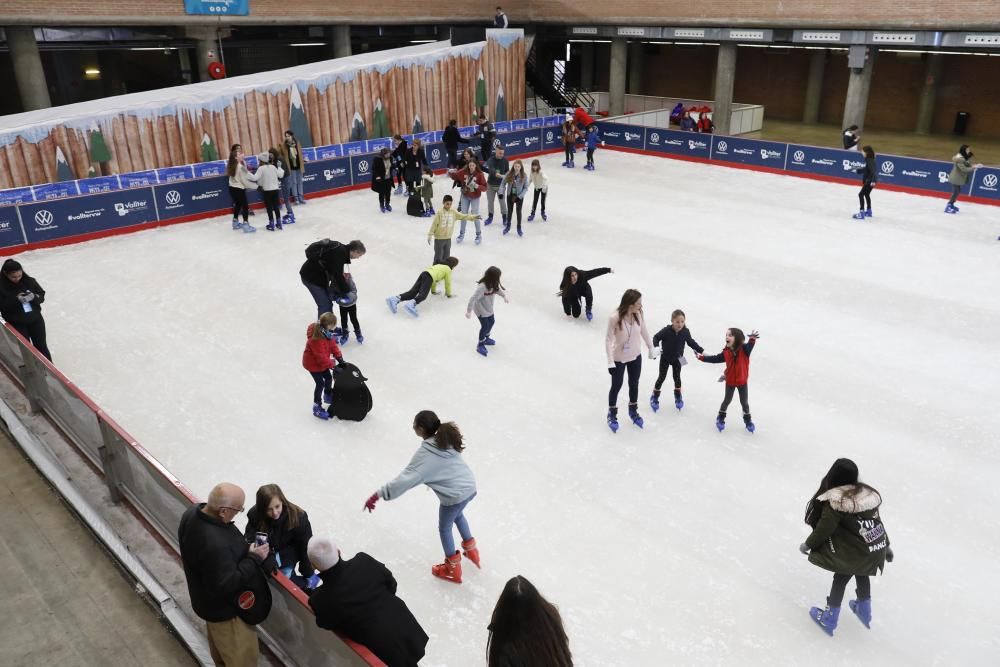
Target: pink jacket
[(623, 344)]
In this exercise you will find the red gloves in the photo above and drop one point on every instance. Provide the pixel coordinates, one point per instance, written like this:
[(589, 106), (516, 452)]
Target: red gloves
[(370, 503), (700, 356)]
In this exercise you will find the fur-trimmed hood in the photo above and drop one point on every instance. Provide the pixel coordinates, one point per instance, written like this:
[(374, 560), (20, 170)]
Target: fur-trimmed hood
[(852, 498)]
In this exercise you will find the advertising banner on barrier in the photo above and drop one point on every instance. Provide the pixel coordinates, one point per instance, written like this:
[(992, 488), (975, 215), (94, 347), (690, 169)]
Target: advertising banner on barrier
[(308, 154), (518, 125), (834, 162), (986, 183), (328, 152), (171, 174), (914, 173), (10, 227), (49, 191), (361, 169), (626, 136), (206, 169), (137, 179), (16, 196), (183, 198), (353, 148), (748, 151), (501, 126), (47, 221), (518, 143), (327, 175), (535, 123), (437, 156), (551, 138), (375, 145), (98, 184), (675, 142)]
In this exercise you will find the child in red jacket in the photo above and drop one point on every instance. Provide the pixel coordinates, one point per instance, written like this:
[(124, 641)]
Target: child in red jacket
[(736, 356), (316, 358)]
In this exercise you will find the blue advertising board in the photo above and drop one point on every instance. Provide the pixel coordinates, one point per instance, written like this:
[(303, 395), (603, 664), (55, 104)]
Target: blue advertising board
[(675, 142), (10, 227), (308, 154), (986, 183), (183, 198), (551, 138), (361, 168), (205, 169), (834, 162), (98, 184), (518, 125), (138, 179), (375, 145), (749, 151), (16, 196), (171, 174), (217, 7), (911, 172), (536, 122), (327, 152), (437, 156), (46, 221), (517, 143), (626, 136), (327, 175), (353, 148), (48, 191)]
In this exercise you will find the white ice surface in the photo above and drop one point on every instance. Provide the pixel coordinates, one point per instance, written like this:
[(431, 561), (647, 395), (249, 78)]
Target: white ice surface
[(670, 545)]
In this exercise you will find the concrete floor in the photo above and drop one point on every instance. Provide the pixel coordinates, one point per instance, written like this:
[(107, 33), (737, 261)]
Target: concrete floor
[(932, 146), (63, 601)]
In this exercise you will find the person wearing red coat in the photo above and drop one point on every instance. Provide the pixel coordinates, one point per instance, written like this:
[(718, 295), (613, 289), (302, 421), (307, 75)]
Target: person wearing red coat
[(736, 356), (582, 119), (317, 358)]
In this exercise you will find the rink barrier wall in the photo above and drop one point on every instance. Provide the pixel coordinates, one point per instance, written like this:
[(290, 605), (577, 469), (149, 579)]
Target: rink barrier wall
[(75, 211), (898, 173), (132, 474)]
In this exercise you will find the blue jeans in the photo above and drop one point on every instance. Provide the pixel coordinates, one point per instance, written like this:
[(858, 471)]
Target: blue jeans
[(286, 192), (485, 327), (453, 514), (295, 183), (321, 295)]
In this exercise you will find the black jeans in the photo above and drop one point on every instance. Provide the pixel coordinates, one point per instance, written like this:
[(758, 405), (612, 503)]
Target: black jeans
[(240, 205), (349, 312), (324, 381), (864, 589), (534, 202), (570, 152), (866, 195), (384, 190), (634, 368), (590, 156), (955, 189), (272, 202), (571, 306), (35, 333), (742, 389), (515, 204), (420, 289), (452, 156), (665, 363)]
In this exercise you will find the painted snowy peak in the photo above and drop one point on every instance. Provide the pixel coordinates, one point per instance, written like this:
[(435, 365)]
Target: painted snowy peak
[(852, 498)]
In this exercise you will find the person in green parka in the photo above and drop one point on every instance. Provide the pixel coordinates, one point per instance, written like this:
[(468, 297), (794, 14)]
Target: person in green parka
[(848, 539)]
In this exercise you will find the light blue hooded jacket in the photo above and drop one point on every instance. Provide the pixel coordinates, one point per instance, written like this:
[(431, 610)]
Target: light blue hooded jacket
[(443, 470)]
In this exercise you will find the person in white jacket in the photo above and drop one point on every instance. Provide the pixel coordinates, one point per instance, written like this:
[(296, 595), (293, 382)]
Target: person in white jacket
[(236, 170), (439, 464), (626, 330), (268, 177), (541, 186)]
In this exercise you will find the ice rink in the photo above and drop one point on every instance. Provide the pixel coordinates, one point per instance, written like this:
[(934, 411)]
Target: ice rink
[(671, 545)]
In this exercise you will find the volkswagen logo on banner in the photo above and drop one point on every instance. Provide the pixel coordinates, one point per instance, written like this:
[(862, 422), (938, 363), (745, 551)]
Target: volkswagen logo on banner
[(722, 146), (173, 198), (888, 167), (799, 156), (363, 166), (436, 154), (655, 137), (548, 136), (990, 181), (43, 218)]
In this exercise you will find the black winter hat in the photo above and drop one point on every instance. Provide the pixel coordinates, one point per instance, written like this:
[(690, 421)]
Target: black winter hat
[(10, 266), (843, 471)]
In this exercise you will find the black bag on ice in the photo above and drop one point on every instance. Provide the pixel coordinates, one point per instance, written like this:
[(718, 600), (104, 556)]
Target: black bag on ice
[(351, 399), (415, 205)]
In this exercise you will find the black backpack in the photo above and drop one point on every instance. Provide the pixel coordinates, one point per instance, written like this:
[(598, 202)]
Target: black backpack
[(318, 249), (351, 399), (415, 205)]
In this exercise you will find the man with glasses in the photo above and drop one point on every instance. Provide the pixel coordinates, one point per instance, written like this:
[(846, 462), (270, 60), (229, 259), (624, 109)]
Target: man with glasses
[(226, 576)]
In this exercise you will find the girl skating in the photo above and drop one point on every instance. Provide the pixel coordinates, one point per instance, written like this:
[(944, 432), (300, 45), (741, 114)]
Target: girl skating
[(473, 183), (626, 331), (736, 356), (268, 177), (569, 137), (868, 179), (426, 283), (317, 358), (575, 286), (236, 170), (593, 141), (541, 185), (481, 304), (848, 539), (962, 167), (516, 185), (673, 339), (439, 464)]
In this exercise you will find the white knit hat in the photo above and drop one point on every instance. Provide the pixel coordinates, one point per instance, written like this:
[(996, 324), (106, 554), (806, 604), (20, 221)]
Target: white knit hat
[(323, 553)]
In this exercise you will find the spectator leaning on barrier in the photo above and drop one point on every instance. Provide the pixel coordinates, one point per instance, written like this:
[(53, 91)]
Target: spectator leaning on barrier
[(21, 299), (225, 576), (291, 153), (288, 533), (526, 630), (358, 599), (500, 19), (961, 168)]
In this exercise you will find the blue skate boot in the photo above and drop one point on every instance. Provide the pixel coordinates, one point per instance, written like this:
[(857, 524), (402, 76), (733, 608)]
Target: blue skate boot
[(720, 422), (411, 308), (392, 302), (613, 419), (633, 413), (863, 610), (654, 400), (678, 399), (319, 412), (826, 618)]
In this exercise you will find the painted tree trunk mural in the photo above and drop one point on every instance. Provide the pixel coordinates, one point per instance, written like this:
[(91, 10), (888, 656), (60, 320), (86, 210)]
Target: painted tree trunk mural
[(389, 92)]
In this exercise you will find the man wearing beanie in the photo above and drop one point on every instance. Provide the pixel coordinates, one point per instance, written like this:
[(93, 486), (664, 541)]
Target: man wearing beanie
[(358, 599), (21, 300)]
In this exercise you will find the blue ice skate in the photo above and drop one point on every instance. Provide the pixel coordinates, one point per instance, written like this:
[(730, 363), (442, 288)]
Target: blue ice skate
[(388, 209), (359, 337), (613, 419), (531, 217), (868, 213), (544, 217), (863, 610), (489, 341), (237, 225), (488, 220), (345, 336), (590, 316), (826, 618), (411, 308), (328, 395), (951, 209), (319, 412), (248, 228), (860, 215), (654, 401), (392, 302), (481, 349), (678, 400), (479, 239), (720, 424), (288, 218), (633, 413)]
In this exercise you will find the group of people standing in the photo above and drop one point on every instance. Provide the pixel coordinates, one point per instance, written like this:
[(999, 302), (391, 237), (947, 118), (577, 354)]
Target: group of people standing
[(279, 176)]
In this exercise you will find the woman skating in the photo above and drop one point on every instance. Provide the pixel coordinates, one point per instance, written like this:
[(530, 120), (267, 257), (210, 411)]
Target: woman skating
[(623, 345)]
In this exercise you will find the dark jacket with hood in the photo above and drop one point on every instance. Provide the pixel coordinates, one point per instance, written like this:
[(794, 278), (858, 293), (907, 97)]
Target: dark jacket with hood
[(849, 537), (328, 270), (289, 544), (452, 138), (358, 599), (11, 307)]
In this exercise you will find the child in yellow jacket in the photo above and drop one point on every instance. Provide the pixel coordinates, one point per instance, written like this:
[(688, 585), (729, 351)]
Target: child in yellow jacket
[(426, 282)]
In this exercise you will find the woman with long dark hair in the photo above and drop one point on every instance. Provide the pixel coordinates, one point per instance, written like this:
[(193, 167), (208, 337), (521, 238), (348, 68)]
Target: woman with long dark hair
[(526, 630), (848, 539), (736, 356), (868, 179), (237, 172), (626, 330), (21, 299), (288, 533), (574, 286)]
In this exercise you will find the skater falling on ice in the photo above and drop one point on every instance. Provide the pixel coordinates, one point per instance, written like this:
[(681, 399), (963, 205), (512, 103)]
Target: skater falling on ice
[(569, 136), (848, 539), (268, 177), (481, 303), (623, 345), (526, 630), (438, 463), (575, 286), (426, 284), (868, 179), (442, 228), (961, 168), (349, 313), (516, 185), (736, 356), (541, 186), (318, 358), (671, 340), (593, 141), (472, 180)]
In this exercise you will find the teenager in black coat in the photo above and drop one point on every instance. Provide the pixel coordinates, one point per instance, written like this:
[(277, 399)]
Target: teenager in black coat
[(382, 179), (399, 150), (21, 299), (413, 166), (323, 273), (358, 599), (673, 338), (575, 285), (288, 533), (452, 138), (868, 180)]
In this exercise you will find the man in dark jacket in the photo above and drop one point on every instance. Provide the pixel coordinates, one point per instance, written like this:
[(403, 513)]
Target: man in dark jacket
[(496, 168), (225, 575), (452, 138), (21, 299), (487, 135), (358, 599), (323, 271)]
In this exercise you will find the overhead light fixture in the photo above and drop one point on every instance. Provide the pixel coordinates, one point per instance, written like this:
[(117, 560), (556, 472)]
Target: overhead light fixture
[(91, 73), (591, 41), (153, 48), (422, 41), (308, 44)]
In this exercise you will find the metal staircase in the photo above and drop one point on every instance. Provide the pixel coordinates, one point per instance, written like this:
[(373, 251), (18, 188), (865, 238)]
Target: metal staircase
[(548, 81)]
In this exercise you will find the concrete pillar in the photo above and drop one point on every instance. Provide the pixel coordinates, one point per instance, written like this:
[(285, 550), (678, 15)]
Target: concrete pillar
[(725, 79), (28, 69), (340, 40), (206, 47), (928, 96), (616, 80), (184, 59), (587, 52), (635, 53), (859, 84), (814, 88)]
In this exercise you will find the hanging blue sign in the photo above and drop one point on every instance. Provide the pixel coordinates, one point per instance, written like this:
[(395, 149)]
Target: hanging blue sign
[(217, 7)]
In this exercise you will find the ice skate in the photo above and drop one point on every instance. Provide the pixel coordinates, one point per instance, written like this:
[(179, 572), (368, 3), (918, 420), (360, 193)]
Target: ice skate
[(460, 238), (450, 570), (398, 191), (489, 341), (471, 551), (860, 215), (678, 399), (520, 232), (237, 225), (328, 395), (248, 228), (613, 419), (950, 209), (654, 400), (488, 220), (544, 217), (481, 349), (392, 302), (590, 316), (720, 423), (531, 217), (277, 224), (359, 337), (269, 227), (506, 230), (289, 218), (868, 213), (749, 423), (633, 413), (863, 610), (479, 239), (388, 209), (411, 308), (319, 412), (826, 618), (344, 337)]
